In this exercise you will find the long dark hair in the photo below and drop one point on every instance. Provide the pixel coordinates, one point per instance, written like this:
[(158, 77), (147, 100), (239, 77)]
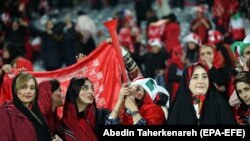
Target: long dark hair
[(42, 130), (55, 84), (242, 77), (70, 125), (74, 89)]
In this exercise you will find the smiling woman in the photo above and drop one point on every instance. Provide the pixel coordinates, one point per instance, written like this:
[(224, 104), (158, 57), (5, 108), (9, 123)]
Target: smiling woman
[(197, 101), (80, 116), (199, 81), (22, 120)]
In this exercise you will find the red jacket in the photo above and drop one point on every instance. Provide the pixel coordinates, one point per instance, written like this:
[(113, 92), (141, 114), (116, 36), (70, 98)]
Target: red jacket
[(15, 126), (171, 36), (201, 30), (5, 87)]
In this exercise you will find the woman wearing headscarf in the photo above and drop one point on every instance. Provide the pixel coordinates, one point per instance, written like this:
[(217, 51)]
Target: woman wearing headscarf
[(201, 24), (80, 116), (198, 102), (49, 100), (192, 45), (14, 63), (171, 32), (22, 120), (214, 62), (227, 60), (242, 86), (174, 70), (135, 105)]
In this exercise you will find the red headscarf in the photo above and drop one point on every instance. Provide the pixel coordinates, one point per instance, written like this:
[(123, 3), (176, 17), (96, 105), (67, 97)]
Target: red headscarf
[(75, 125), (152, 113), (176, 55), (45, 105), (218, 59)]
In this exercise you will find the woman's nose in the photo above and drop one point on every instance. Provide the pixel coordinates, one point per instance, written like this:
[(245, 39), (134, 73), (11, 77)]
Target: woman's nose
[(91, 91), (244, 95), (62, 96)]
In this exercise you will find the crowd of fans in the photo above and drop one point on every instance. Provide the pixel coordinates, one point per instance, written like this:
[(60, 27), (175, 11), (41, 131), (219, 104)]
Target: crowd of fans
[(204, 74)]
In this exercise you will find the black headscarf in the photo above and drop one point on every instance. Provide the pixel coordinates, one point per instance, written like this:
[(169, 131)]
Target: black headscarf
[(216, 109), (242, 74), (42, 130)]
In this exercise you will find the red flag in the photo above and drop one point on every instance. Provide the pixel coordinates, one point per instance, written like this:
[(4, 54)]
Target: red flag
[(101, 67), (155, 31)]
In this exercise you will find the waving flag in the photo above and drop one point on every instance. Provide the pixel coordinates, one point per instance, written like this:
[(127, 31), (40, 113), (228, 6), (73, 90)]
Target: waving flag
[(101, 67)]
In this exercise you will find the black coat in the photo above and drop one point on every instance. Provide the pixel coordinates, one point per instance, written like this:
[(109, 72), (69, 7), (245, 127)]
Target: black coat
[(216, 109)]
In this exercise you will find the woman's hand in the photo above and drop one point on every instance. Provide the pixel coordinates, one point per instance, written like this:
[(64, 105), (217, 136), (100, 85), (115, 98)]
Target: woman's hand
[(207, 63), (7, 68), (124, 92), (80, 57), (131, 104), (57, 138), (108, 40)]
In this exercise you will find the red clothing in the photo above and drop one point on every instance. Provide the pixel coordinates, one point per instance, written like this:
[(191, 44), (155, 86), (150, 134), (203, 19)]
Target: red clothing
[(15, 126), (176, 55), (201, 30), (75, 127), (221, 12), (45, 105), (152, 113), (171, 35), (5, 89), (154, 31), (218, 61), (238, 34), (24, 63)]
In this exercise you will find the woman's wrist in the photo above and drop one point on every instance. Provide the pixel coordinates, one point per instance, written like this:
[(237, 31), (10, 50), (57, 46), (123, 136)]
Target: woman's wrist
[(115, 111)]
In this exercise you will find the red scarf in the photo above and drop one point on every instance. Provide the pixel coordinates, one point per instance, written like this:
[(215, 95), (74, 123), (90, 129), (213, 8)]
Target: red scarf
[(152, 113), (45, 104), (176, 54), (199, 99), (219, 61), (196, 99), (81, 127)]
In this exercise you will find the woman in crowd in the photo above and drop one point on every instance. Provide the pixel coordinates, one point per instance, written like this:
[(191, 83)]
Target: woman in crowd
[(214, 62), (192, 45), (49, 100), (198, 102), (174, 70), (81, 117), (242, 86), (22, 120), (135, 106), (201, 24)]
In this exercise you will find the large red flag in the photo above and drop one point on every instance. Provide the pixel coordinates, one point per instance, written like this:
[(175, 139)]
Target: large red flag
[(101, 67)]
